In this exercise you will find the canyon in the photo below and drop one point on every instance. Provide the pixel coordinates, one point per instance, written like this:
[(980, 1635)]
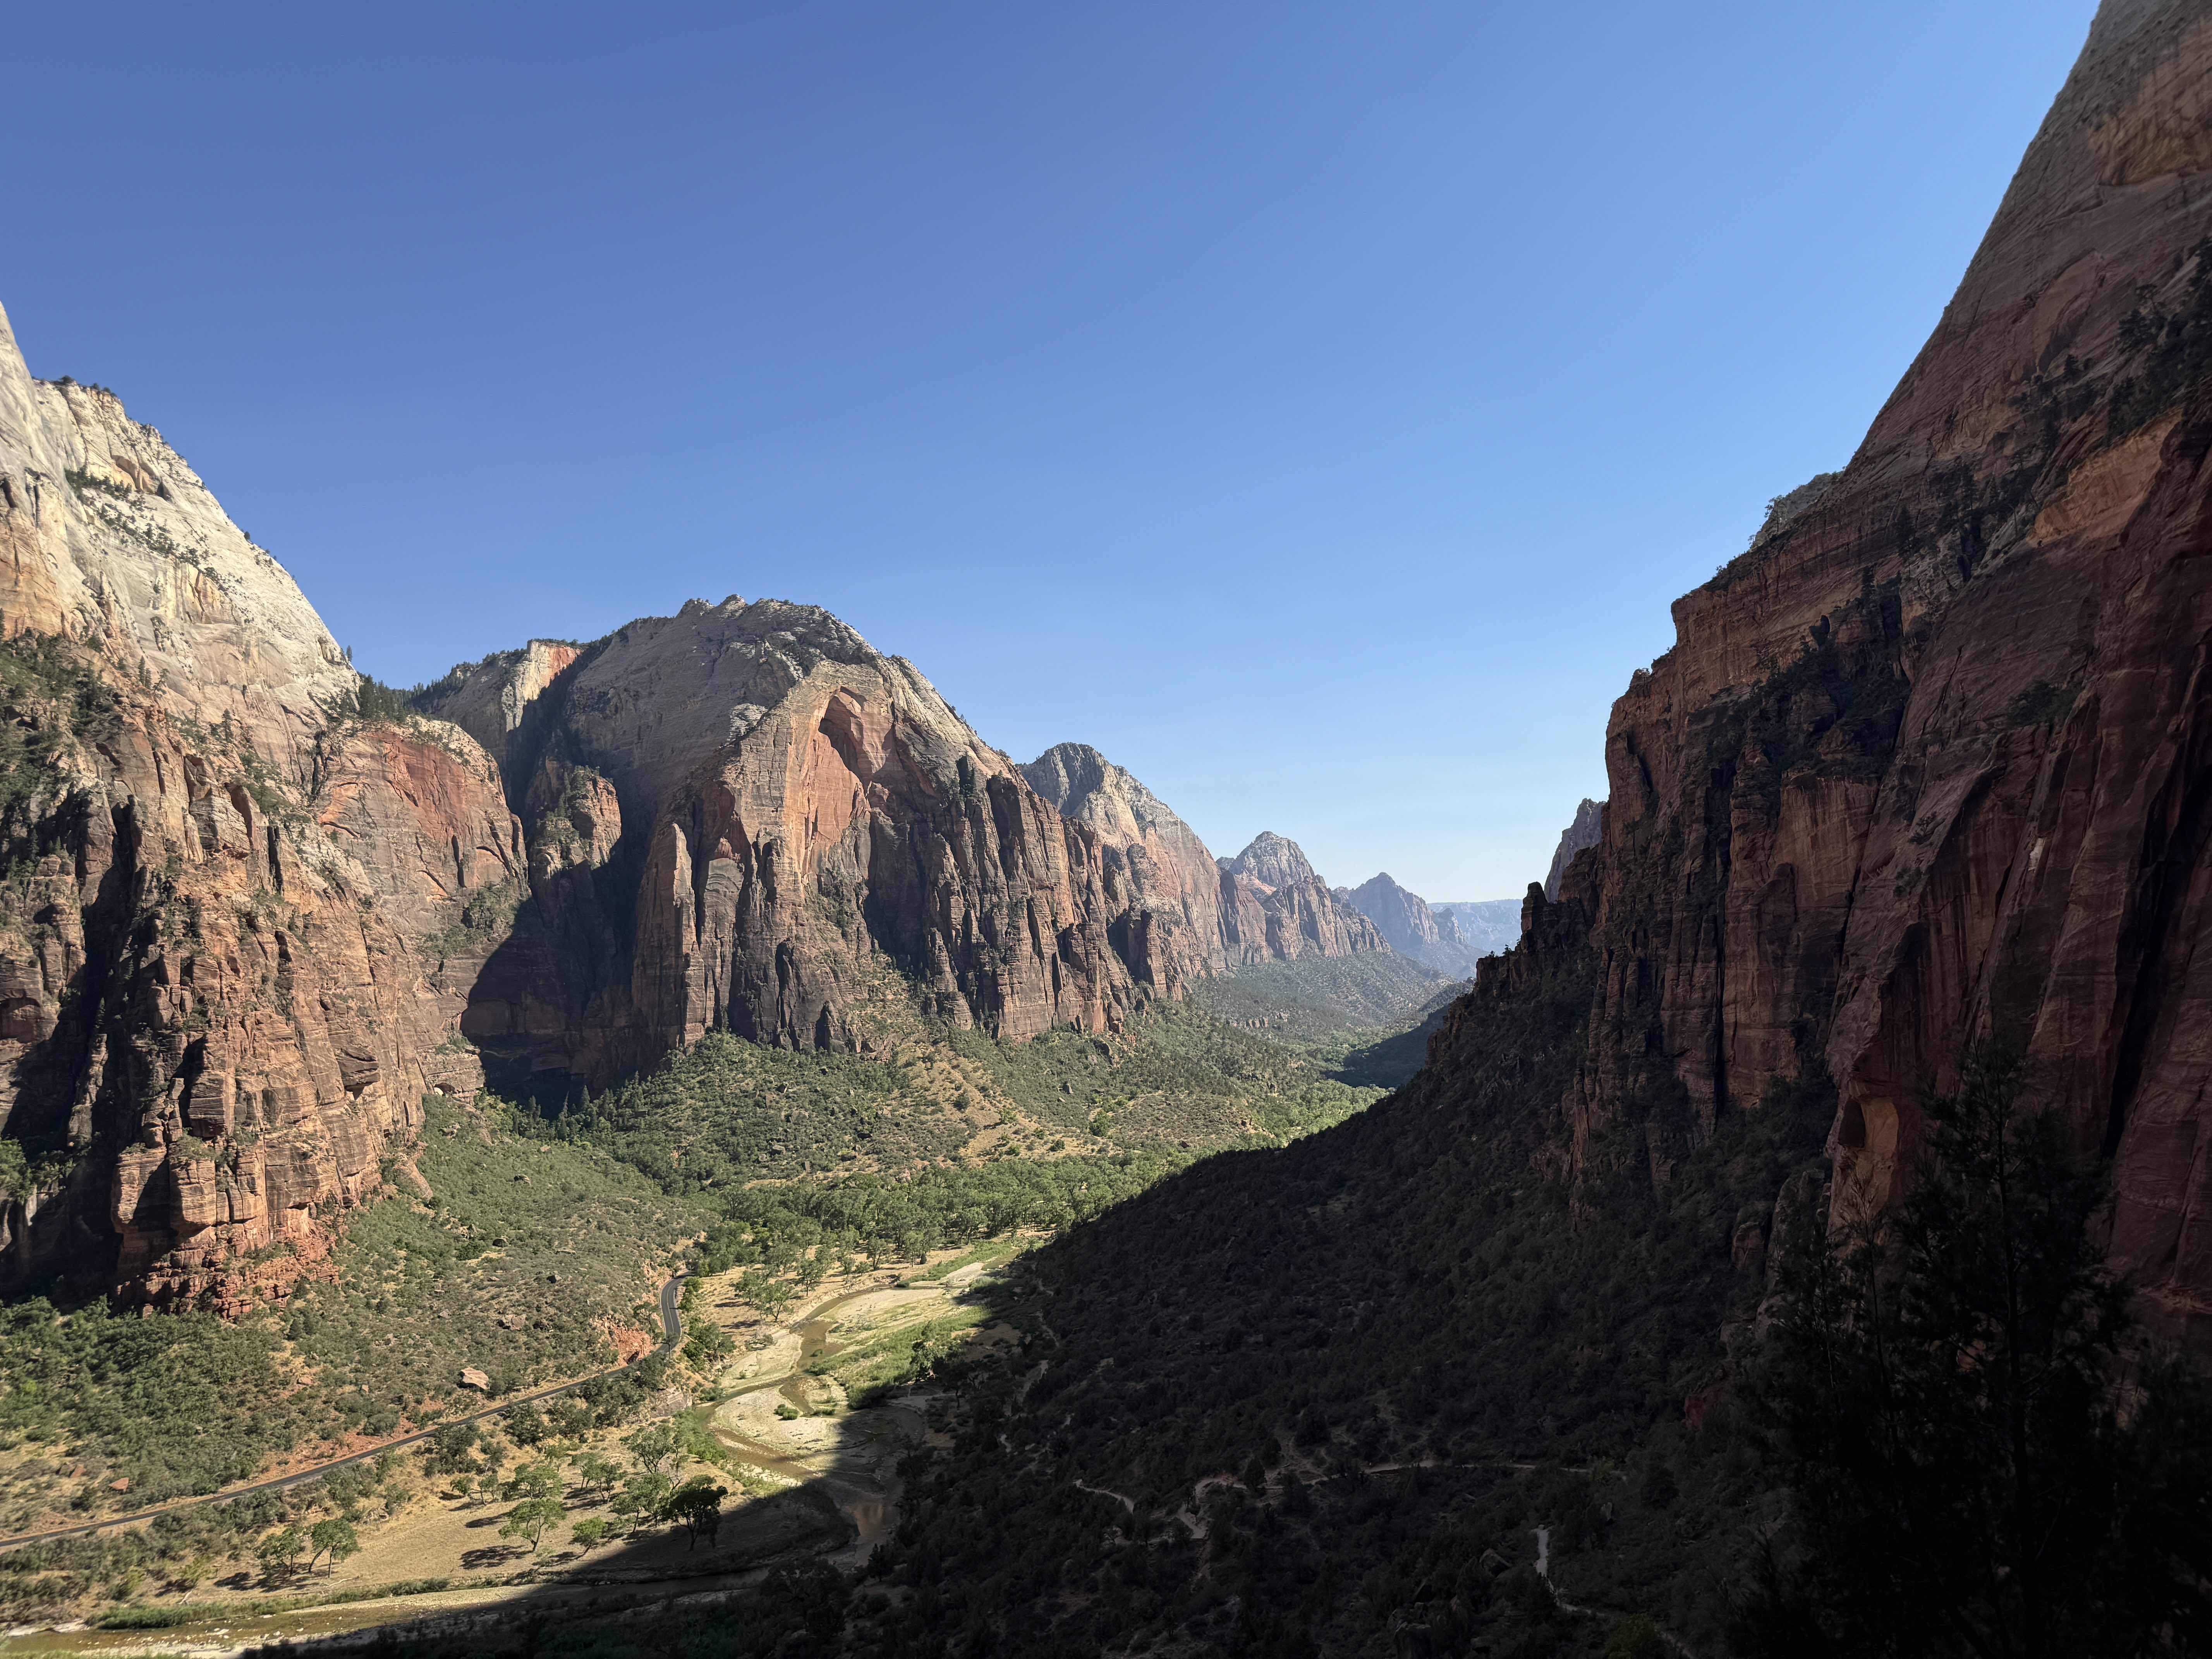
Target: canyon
[(259, 908)]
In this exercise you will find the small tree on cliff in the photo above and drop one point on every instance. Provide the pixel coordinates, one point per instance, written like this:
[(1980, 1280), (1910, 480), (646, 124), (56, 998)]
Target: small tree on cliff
[(1981, 1459)]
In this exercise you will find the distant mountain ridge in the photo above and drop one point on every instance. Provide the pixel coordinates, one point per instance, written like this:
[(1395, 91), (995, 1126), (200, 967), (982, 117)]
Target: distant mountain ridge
[(1488, 926), (1187, 913), (1414, 927)]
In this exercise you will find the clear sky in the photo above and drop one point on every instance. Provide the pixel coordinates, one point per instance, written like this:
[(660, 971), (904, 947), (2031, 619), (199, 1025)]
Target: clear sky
[(1316, 407)]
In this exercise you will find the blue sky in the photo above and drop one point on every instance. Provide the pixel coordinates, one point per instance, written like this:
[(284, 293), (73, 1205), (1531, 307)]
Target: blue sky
[(1315, 407)]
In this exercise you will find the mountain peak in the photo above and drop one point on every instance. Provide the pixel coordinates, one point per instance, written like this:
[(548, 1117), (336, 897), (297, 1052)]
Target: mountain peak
[(1273, 860)]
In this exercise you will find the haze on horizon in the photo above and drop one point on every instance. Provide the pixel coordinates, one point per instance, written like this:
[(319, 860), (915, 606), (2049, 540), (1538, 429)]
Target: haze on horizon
[(1314, 408)]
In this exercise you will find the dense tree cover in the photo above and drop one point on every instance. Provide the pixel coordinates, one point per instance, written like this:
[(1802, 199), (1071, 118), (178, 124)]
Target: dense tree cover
[(1391, 1352), (1323, 1396), (527, 1246), (726, 1112), (1330, 1397), (172, 1404), (1312, 1005), (1983, 1456), (891, 1220)]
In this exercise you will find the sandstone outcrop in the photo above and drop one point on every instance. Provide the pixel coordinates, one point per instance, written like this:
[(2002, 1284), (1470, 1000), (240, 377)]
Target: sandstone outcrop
[(1927, 764), (214, 1015), (1588, 819), (1411, 926), (1162, 884), (760, 815), (1180, 911), (1275, 909)]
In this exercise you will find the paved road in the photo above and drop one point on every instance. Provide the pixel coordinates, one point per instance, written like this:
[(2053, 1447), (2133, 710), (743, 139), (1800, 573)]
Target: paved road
[(671, 1332)]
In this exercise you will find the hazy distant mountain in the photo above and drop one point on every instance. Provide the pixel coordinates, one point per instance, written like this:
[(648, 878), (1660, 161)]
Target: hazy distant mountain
[(1412, 925), (1488, 926), (1583, 832)]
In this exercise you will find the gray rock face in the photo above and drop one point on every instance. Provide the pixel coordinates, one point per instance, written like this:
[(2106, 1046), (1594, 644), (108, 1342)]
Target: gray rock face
[(1273, 860), (1274, 907), (1488, 926), (108, 534), (1160, 879), (1413, 927), (1584, 831)]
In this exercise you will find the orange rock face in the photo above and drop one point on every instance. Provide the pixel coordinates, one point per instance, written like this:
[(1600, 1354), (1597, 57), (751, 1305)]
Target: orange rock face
[(1179, 913), (1930, 763), (745, 816)]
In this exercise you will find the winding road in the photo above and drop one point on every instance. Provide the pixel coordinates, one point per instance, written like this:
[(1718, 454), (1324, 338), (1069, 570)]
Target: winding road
[(671, 1332)]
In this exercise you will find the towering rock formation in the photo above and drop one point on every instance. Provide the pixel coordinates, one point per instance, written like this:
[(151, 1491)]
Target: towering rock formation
[(214, 1015), (1583, 832), (1928, 764), (1162, 885), (1274, 907), (1411, 926), (739, 816)]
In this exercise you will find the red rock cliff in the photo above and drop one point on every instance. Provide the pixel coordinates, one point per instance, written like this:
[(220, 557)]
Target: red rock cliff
[(1933, 761), (789, 833), (216, 1013)]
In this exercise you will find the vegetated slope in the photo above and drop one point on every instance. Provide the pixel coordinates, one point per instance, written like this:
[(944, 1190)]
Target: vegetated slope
[(1319, 1398), (525, 1258), (726, 1112), (1320, 999), (1297, 1328)]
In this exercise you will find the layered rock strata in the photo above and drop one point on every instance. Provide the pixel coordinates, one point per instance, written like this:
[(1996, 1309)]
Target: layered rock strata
[(1275, 909), (1161, 882), (215, 1017), (1926, 765), (758, 814), (1183, 912)]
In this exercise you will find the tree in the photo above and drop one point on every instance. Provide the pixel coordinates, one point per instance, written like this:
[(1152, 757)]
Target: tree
[(598, 1474), (657, 1444), (280, 1552), (449, 1449), (697, 1506), (533, 1480), (1977, 1465), (589, 1533), (707, 1345), (463, 1485), (524, 1426), (640, 1497), (531, 1519), (335, 1538)]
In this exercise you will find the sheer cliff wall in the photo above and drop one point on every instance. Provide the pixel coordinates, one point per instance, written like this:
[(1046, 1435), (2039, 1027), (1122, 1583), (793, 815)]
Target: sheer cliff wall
[(1932, 763)]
